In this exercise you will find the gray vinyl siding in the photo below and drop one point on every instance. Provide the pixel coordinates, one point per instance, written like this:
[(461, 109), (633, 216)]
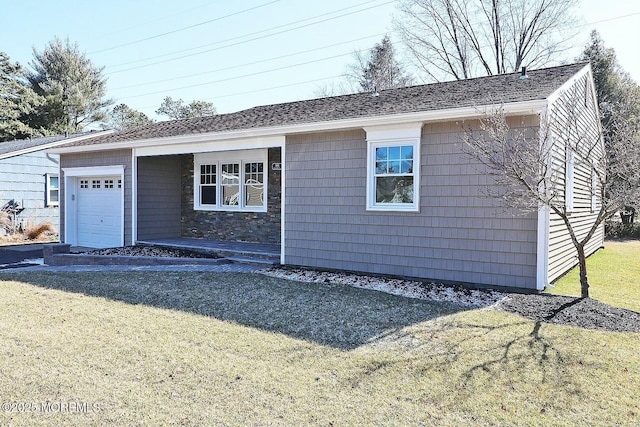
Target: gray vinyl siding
[(23, 179), (159, 192), (459, 235), (562, 252), (101, 158)]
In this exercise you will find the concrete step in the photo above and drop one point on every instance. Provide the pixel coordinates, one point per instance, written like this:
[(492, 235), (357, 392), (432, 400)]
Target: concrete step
[(253, 260)]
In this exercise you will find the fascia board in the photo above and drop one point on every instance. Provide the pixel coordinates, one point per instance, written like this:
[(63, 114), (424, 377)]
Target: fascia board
[(514, 108), (566, 85), (48, 146)]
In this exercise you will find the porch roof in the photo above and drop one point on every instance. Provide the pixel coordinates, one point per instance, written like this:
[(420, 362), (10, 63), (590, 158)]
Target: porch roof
[(491, 90)]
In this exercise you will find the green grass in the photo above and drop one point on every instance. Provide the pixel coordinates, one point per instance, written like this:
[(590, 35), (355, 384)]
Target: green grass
[(233, 349), (614, 275)]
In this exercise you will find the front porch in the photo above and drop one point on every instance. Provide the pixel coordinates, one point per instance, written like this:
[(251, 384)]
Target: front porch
[(181, 201)]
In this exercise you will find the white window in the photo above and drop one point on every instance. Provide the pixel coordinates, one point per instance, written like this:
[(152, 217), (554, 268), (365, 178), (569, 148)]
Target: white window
[(231, 181), (569, 181), (52, 189), (393, 168)]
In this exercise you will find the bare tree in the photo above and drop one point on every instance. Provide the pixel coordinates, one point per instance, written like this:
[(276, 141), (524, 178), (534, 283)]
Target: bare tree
[(462, 39), (531, 167)]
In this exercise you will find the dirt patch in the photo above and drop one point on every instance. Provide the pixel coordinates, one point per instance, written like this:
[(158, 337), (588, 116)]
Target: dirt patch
[(150, 251), (565, 310)]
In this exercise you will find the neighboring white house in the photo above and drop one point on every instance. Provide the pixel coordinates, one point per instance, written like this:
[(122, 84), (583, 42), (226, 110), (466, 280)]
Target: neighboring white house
[(30, 179)]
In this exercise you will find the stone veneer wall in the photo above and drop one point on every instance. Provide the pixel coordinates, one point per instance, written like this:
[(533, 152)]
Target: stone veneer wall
[(259, 227)]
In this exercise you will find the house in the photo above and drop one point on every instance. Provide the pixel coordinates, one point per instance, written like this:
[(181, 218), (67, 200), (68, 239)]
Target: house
[(373, 183), (29, 179)]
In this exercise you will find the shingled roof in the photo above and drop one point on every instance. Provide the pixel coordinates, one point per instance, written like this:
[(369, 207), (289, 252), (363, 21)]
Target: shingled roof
[(23, 146), (501, 89)]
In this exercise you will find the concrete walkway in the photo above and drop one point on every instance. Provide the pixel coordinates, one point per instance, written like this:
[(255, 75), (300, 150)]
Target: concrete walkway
[(216, 268)]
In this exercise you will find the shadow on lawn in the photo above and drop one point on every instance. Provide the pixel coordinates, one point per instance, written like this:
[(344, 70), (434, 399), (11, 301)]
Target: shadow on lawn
[(338, 316)]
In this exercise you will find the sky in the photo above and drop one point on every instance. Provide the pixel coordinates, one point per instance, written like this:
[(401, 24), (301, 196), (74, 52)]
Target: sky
[(242, 53)]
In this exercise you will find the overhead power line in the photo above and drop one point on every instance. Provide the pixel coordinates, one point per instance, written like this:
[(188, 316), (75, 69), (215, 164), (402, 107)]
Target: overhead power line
[(249, 40), (184, 28), (146, 83), (264, 89), (257, 73)]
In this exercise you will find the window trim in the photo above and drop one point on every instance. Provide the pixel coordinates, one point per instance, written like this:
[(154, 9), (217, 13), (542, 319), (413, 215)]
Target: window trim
[(569, 181), (594, 189), (236, 157), (372, 145), (48, 189)]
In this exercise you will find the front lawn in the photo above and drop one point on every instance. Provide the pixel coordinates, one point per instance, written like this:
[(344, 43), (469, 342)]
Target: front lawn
[(245, 349), (614, 275)]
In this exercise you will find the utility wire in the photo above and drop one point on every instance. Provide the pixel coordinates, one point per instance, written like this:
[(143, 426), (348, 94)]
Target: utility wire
[(151, 21), (184, 28), (181, 51), (245, 75), (265, 89), (247, 41), (247, 63)]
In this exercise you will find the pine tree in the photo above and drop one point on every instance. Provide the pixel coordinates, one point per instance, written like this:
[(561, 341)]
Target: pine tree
[(73, 87), (381, 70), (17, 101), (123, 117), (176, 110)]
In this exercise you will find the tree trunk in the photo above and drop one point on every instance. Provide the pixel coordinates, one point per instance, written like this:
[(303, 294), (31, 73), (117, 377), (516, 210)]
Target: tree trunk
[(584, 282)]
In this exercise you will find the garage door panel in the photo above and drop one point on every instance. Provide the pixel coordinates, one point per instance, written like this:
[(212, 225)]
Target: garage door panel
[(99, 205)]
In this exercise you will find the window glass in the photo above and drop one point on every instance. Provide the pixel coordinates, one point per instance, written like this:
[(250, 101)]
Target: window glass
[(254, 184), (208, 179), (230, 184), (394, 175), (52, 190)]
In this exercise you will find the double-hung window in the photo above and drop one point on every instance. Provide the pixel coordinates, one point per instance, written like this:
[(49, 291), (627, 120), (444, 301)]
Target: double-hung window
[(52, 190), (393, 171), (231, 181)]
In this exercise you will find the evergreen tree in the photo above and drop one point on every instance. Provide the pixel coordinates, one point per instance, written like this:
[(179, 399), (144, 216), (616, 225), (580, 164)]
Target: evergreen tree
[(177, 110), (618, 95), (123, 117), (380, 70), (73, 87), (17, 101), (619, 103)]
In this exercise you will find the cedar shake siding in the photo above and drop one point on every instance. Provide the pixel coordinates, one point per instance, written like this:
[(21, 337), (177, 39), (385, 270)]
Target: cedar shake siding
[(159, 190), (459, 235), (101, 158), (256, 227), (562, 253)]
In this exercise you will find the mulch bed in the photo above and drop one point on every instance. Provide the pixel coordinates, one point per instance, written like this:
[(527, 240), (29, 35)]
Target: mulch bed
[(565, 310), (150, 251)]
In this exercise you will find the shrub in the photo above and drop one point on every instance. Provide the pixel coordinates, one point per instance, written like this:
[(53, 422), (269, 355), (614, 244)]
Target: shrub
[(36, 231), (618, 230)]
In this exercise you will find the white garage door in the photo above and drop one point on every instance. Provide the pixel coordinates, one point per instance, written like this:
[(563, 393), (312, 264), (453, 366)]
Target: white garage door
[(99, 201)]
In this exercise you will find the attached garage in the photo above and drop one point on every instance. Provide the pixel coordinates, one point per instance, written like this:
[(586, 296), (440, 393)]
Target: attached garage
[(95, 200)]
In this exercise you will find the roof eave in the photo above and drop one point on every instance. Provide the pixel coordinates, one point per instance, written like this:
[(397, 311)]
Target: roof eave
[(53, 144), (513, 108)]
